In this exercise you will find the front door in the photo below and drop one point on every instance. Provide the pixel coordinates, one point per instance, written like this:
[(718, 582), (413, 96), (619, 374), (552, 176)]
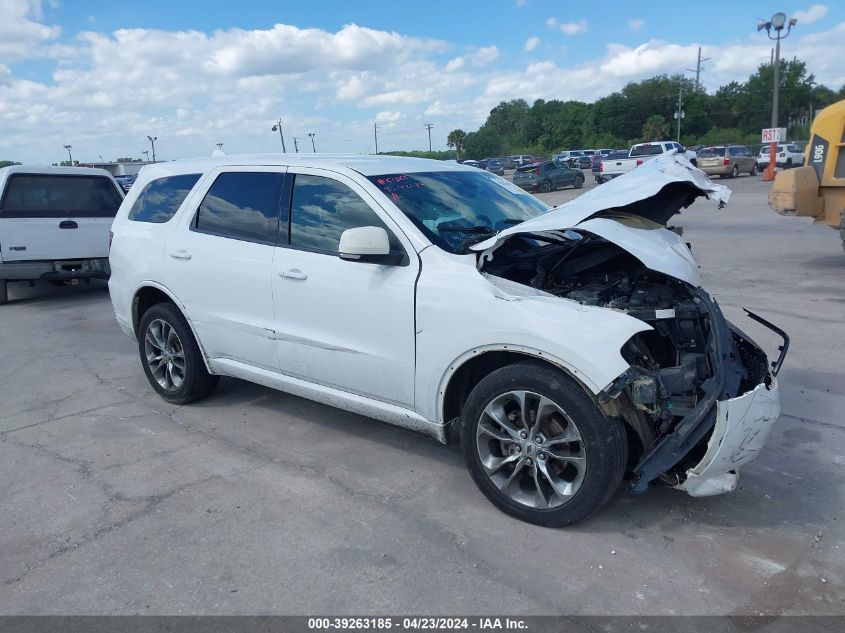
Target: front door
[(343, 324)]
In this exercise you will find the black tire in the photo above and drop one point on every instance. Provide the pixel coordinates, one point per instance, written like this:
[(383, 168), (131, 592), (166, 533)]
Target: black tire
[(196, 382), (547, 186), (579, 182), (4, 291), (753, 171), (602, 440), (788, 163), (599, 180), (735, 171)]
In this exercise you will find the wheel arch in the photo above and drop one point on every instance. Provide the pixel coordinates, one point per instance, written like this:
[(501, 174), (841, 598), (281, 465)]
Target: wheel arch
[(150, 293), (470, 367)]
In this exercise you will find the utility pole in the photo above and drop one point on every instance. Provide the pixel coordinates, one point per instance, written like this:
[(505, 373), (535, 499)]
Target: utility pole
[(278, 127), (428, 126), (69, 155), (679, 113), (296, 144), (375, 135), (312, 135), (697, 70), (153, 140)]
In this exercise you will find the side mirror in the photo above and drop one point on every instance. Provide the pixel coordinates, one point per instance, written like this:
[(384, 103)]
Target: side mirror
[(367, 244)]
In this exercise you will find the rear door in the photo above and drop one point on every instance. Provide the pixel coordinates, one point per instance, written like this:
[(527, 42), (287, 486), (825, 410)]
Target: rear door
[(57, 216)]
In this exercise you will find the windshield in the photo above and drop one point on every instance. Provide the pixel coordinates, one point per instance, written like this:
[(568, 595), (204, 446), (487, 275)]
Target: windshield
[(456, 208), (712, 152)]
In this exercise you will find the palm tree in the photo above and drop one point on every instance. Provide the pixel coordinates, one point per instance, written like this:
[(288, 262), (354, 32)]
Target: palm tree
[(456, 139)]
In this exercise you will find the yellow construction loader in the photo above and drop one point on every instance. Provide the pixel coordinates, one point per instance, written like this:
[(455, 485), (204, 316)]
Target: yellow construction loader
[(817, 189)]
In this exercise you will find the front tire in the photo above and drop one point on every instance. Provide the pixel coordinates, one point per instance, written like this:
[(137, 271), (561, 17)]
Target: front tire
[(547, 186), (579, 182), (170, 356), (538, 447), (753, 171)]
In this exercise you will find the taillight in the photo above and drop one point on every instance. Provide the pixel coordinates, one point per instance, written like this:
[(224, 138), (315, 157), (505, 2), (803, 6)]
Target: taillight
[(639, 162), (601, 166), (111, 237), (726, 162)]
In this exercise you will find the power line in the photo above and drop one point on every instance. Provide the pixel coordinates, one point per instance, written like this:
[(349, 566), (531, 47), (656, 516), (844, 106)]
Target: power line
[(697, 69)]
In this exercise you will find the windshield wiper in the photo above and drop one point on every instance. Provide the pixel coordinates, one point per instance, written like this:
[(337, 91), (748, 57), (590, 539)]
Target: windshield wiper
[(465, 229)]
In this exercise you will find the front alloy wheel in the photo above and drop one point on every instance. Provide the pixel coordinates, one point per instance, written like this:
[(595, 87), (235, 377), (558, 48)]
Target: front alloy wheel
[(538, 447)]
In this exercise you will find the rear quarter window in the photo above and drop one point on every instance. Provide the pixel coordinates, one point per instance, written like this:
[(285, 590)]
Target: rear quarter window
[(646, 150), (53, 196), (161, 198)]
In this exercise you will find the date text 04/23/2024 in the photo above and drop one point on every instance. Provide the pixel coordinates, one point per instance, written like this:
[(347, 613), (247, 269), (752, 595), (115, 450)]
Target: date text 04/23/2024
[(416, 624)]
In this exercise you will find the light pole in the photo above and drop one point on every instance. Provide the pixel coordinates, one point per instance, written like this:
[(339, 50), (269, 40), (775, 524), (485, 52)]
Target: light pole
[(69, 155), (278, 127), (146, 154), (312, 135), (778, 22), (153, 140)]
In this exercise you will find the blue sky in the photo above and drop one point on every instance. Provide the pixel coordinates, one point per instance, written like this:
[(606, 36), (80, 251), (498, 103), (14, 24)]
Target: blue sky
[(101, 76)]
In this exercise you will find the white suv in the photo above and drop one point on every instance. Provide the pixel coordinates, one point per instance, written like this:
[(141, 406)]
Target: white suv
[(564, 349)]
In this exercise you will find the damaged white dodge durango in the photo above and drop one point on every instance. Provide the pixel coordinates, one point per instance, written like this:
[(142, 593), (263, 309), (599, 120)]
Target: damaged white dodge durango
[(566, 349)]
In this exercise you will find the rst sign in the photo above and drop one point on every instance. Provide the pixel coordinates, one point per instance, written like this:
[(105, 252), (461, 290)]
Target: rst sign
[(774, 134)]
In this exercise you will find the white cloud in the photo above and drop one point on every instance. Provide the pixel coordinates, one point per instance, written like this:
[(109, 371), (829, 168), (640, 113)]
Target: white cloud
[(531, 43), (635, 24), (454, 64), (552, 23), (485, 55), (21, 30), (388, 116), (813, 14), (521, 3), (574, 28)]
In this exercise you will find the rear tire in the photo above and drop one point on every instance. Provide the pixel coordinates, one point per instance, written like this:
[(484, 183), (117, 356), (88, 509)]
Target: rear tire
[(570, 457), (735, 171), (170, 356), (579, 182), (753, 171), (4, 291), (547, 186)]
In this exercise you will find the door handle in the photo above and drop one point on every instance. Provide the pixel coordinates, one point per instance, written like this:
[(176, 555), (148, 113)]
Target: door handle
[(180, 254), (68, 224), (293, 273)]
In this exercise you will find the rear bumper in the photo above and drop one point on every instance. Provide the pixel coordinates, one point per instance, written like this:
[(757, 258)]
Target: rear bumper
[(716, 170), (59, 270)]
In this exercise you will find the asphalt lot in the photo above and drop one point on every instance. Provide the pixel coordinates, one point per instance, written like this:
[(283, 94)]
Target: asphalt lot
[(254, 501)]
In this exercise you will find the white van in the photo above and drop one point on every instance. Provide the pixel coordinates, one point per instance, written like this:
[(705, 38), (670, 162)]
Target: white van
[(54, 223)]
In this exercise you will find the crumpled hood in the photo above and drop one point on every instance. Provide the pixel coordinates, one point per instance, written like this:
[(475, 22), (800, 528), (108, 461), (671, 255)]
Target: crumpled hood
[(656, 190)]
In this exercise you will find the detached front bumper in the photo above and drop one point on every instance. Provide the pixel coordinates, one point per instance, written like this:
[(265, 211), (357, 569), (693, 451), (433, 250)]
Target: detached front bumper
[(742, 426)]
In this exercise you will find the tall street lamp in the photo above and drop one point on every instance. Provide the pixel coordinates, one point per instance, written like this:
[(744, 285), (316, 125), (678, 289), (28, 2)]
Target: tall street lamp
[(69, 155), (278, 127), (776, 24), (146, 154), (153, 140), (312, 135)]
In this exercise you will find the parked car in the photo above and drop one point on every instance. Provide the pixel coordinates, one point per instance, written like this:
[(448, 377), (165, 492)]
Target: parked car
[(495, 167), (727, 160), (643, 152), (584, 162), (470, 163), (612, 166), (564, 349), (788, 155), (54, 223), (547, 176), (507, 162), (564, 156), (606, 152), (126, 181), (522, 159)]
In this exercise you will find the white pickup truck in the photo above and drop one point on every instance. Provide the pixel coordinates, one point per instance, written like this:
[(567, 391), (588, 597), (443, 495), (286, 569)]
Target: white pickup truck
[(638, 154), (54, 223)]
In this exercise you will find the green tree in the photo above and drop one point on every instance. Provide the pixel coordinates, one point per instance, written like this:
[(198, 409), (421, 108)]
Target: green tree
[(8, 163), (456, 139), (655, 128)]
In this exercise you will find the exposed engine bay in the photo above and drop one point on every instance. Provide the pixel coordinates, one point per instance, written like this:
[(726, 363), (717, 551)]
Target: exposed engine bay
[(678, 370)]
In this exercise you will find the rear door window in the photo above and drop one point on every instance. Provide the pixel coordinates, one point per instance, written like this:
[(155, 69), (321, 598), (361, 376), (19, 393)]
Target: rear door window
[(242, 206), (161, 198), (57, 196)]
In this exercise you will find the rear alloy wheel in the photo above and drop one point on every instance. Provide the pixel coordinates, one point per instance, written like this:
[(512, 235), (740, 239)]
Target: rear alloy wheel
[(753, 171), (579, 182), (538, 447), (547, 186), (170, 356), (735, 171)]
